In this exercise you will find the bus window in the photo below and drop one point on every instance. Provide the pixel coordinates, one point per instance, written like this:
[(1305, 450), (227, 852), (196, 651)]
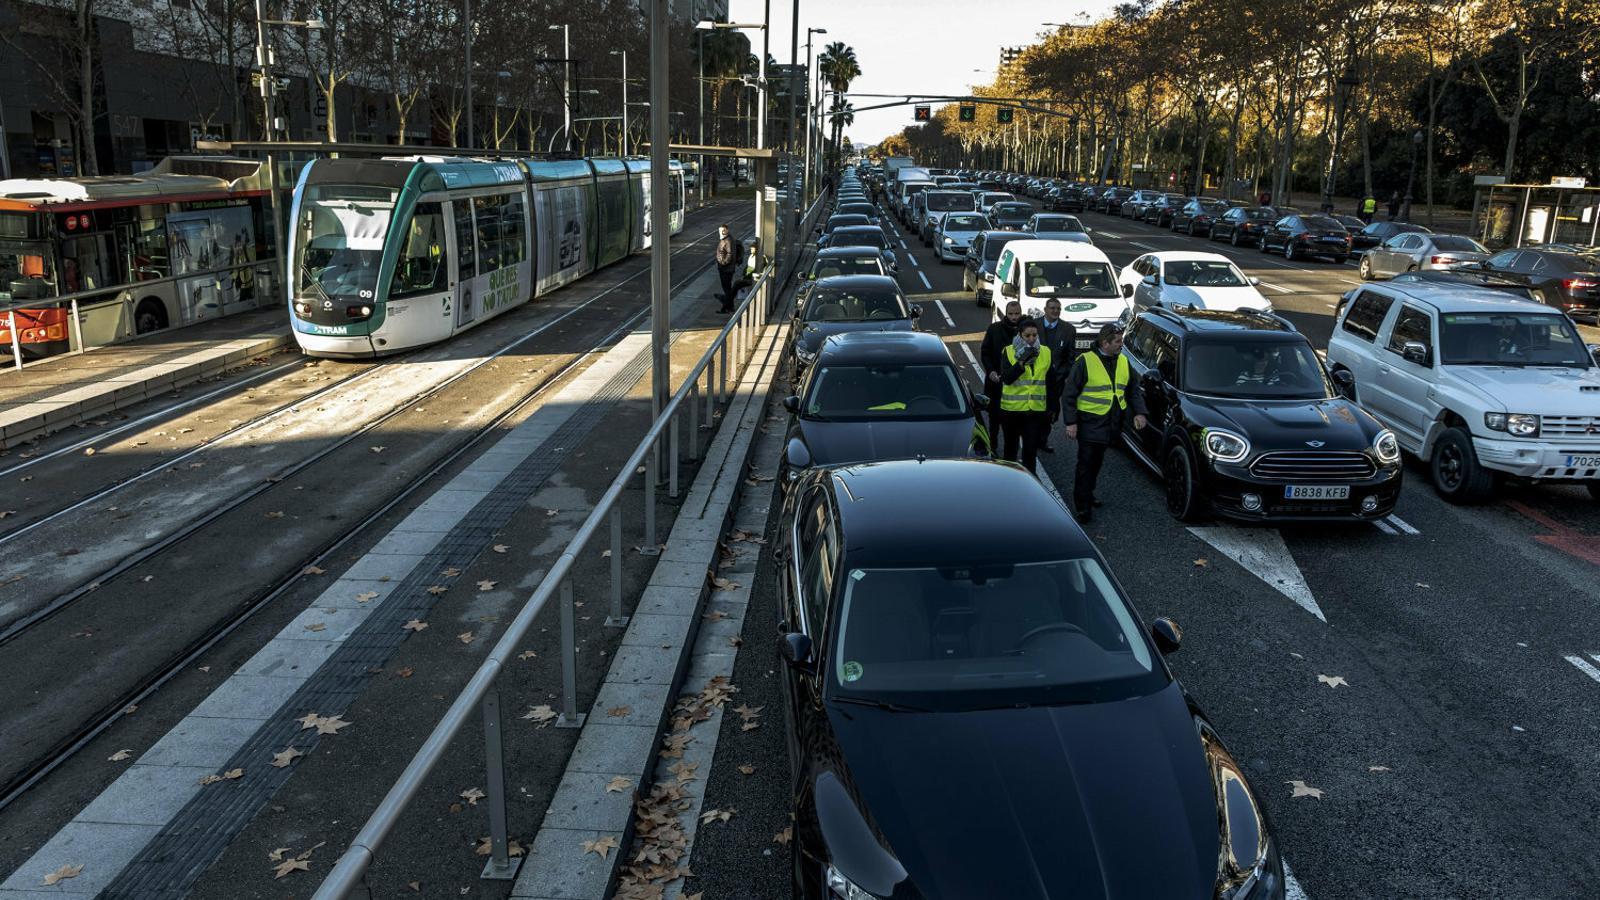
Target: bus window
[(675, 192), (513, 229), (147, 258), (423, 264), (25, 270), (464, 239), (86, 263)]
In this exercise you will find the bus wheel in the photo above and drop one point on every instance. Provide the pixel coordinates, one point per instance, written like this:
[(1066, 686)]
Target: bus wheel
[(150, 316)]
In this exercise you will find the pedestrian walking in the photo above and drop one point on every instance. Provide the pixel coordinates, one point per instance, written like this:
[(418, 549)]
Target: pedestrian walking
[(1094, 402), (1369, 208), (1264, 199), (1027, 394), (1394, 206), (730, 253), (1062, 339), (991, 353)]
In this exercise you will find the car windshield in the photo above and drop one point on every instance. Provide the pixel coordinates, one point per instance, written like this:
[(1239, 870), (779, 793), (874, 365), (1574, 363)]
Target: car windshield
[(1012, 210), (1256, 370), (841, 305), (1057, 223), (1322, 223), (965, 223), (1458, 243), (1511, 339), (983, 637), (865, 237), (992, 246), (948, 201), (1066, 278), (1202, 273), (829, 266), (858, 393)]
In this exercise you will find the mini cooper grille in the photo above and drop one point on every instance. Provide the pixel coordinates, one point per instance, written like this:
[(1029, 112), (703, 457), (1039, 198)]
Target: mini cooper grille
[(1296, 464)]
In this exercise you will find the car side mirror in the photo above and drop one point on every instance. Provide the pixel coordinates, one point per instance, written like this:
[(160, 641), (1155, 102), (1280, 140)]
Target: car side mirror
[(1127, 290), (1254, 281), (1165, 632), (1152, 378), (1415, 352), (1345, 381), (916, 311), (796, 651), (791, 403), (981, 401), (1008, 290)]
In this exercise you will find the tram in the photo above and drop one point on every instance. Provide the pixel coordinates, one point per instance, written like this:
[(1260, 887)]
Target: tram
[(395, 253)]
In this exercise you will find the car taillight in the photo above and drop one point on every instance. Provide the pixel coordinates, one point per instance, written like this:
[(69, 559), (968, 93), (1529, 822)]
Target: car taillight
[(1443, 260), (1303, 238), (1580, 284)]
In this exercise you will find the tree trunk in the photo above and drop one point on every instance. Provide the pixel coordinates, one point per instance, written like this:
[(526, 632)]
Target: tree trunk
[(88, 154)]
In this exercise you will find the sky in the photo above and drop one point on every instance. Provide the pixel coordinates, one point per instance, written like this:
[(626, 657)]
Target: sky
[(922, 46)]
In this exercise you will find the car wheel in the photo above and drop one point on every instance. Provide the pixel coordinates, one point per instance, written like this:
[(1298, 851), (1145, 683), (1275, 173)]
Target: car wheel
[(1457, 475), (1262, 245), (1365, 269), (1288, 250), (1183, 500), (1340, 260)]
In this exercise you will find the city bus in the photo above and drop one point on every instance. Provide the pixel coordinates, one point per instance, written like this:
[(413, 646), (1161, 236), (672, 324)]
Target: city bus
[(187, 241)]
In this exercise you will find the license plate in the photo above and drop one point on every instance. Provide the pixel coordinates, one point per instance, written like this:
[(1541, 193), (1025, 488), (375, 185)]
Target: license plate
[(1583, 462), (1317, 492), (1084, 344)]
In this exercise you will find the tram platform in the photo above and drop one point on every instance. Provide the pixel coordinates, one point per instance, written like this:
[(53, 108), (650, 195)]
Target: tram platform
[(61, 391)]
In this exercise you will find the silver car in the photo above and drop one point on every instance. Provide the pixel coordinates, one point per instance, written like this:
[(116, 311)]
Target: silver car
[(1418, 252), (955, 233), (1058, 227)]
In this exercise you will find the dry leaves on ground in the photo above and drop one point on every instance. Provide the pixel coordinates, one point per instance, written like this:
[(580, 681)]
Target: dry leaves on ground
[(230, 775), (500, 548), (747, 769), (275, 514), (601, 847), (717, 815), (618, 784), (783, 837), (1301, 789), (317, 626), (284, 757), (437, 589), (64, 872), (465, 637), (1200, 564), (405, 671), (1333, 681), (415, 625), (313, 570), (542, 714), (527, 654), (487, 585), (365, 596), (451, 572), (486, 847), (725, 584), (619, 712), (323, 724), (119, 756), (472, 796)]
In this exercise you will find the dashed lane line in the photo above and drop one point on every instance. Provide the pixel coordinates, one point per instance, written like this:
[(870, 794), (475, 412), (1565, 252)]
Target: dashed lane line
[(940, 303), (927, 285), (1583, 665), (1143, 245), (911, 257), (1402, 524), (1283, 290), (1384, 527), (903, 245)]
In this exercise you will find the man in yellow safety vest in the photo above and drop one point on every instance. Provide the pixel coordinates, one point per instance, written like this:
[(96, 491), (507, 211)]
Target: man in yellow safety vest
[(1027, 392), (1094, 401), (1369, 208)]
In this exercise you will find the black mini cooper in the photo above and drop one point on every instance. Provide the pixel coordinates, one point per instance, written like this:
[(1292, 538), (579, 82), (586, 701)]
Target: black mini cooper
[(1246, 422)]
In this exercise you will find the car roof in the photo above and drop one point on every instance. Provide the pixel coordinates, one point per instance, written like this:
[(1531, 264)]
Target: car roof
[(890, 517), (1050, 248), (1180, 255), (852, 252), (858, 282), (1005, 235), (1459, 298), (1196, 322), (858, 229), (885, 347)]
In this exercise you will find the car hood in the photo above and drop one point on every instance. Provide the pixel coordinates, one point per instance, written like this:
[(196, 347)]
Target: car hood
[(1292, 424), (1214, 297), (812, 334), (834, 443), (961, 237), (1109, 800), (1546, 390)]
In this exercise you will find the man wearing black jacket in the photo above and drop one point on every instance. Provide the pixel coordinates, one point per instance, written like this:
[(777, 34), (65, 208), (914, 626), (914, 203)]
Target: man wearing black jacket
[(1062, 339), (1029, 395), (992, 355), (730, 253), (1094, 402)]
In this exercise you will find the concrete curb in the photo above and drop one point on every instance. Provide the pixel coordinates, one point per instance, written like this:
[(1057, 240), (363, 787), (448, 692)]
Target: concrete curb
[(77, 404), (654, 662)]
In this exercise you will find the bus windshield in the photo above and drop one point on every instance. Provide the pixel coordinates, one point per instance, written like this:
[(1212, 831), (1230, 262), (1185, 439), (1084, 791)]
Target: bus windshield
[(339, 240), (26, 270)]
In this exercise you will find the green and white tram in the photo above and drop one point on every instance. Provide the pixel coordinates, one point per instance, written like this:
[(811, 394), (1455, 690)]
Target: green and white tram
[(390, 254)]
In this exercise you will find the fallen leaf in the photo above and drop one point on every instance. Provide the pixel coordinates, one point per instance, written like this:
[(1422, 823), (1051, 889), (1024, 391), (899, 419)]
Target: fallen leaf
[(1421, 585), (465, 637), (542, 714), (119, 756), (617, 785), (1333, 681), (783, 837), (288, 866), (527, 654), (89, 451), (451, 572), (148, 578), (618, 712), (1295, 655), (1301, 789), (416, 886), (551, 513), (415, 625), (1200, 563), (1378, 769), (331, 725), (487, 585), (605, 554), (277, 855), (309, 720), (747, 769), (437, 589), (275, 514), (717, 815), (283, 758), (233, 774), (381, 449), (715, 615), (205, 668), (6, 513), (725, 584), (472, 796), (404, 671), (601, 847), (750, 726), (500, 548), (312, 570), (317, 626), (365, 596), (66, 871)]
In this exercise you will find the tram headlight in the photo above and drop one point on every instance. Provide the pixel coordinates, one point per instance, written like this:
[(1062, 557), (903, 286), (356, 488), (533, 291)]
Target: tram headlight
[(302, 308)]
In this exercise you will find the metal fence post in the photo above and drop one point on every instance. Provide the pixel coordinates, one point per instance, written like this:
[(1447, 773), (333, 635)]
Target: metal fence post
[(616, 619), (77, 325), (674, 456), (16, 339), (649, 547), (722, 373), (692, 404), (570, 717), (501, 866), (711, 392)]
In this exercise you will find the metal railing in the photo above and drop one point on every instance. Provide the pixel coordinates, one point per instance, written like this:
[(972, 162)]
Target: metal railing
[(263, 272), (738, 340)]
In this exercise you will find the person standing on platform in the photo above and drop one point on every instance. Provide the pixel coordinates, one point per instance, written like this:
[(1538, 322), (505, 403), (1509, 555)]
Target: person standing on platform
[(729, 255)]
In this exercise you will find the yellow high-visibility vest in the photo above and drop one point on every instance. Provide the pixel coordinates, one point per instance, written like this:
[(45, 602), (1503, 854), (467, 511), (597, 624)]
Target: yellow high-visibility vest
[(1098, 390), (1369, 205), (1028, 392)]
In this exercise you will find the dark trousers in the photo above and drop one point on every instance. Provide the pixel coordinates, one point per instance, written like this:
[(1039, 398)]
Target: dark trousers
[(1029, 429), (1090, 457), (726, 275), (996, 419), (1366, 217)]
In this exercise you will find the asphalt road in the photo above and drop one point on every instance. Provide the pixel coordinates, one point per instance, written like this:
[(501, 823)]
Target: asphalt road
[(1456, 756)]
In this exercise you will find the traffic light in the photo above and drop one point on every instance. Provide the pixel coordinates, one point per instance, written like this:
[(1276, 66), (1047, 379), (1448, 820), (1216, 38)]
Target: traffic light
[(1003, 115), (969, 112), (922, 113)]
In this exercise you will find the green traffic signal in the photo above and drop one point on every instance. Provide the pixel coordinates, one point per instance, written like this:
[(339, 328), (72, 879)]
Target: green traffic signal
[(1003, 115), (969, 113)]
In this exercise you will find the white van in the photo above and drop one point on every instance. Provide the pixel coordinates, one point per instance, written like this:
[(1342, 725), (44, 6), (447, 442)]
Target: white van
[(1077, 274)]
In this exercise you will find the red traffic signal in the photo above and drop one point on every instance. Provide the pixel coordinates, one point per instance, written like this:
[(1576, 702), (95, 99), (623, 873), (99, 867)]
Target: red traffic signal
[(923, 113)]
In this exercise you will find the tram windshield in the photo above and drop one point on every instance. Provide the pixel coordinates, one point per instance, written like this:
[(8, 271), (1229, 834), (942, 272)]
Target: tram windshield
[(339, 240)]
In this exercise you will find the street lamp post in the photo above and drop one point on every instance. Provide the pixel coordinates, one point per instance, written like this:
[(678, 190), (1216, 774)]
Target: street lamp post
[(566, 81), (660, 245), (806, 183), (700, 92), (1346, 84), (624, 55), (1411, 177)]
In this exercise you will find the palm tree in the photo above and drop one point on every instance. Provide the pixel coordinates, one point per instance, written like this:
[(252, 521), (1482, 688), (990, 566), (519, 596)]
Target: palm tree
[(727, 58), (839, 67), (842, 114)]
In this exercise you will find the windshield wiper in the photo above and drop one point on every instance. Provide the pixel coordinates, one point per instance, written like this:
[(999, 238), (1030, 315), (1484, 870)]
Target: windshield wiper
[(880, 704)]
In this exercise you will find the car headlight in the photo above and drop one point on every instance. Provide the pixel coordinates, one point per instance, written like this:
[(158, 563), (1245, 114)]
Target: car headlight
[(1225, 446), (949, 240), (806, 356), (1125, 318), (1515, 424), (844, 888), (1387, 448)]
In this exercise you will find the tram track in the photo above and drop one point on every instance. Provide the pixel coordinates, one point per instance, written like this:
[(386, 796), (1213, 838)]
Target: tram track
[(20, 781)]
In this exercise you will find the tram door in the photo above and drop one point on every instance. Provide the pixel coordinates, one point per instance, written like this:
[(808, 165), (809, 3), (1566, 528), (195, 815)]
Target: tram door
[(464, 255)]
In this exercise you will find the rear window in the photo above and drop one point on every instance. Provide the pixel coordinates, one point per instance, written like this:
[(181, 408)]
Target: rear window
[(839, 305), (829, 266), (863, 238), (1011, 210), (1458, 242), (965, 223), (1322, 223)]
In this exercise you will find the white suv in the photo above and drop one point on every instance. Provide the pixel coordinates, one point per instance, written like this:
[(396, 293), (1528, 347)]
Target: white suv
[(1474, 382)]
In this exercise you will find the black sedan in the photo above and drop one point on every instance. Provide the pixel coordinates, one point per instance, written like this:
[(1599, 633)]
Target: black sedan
[(1372, 235), (875, 395), (977, 711), (842, 220), (1564, 279), (1159, 212), (1242, 225), (1198, 215), (1245, 422), (1010, 216), (861, 236), (1301, 236), (847, 303), (859, 208)]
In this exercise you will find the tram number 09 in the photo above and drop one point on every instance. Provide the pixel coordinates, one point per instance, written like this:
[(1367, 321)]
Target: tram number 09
[(364, 294)]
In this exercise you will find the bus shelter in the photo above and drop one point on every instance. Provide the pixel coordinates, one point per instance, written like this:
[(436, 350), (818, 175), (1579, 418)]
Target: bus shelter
[(1514, 215)]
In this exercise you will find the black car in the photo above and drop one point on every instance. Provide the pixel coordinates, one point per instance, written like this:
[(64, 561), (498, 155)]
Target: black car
[(1110, 200), (841, 220), (847, 303), (1246, 422), (1301, 236), (1244, 224), (1010, 216), (1566, 280), (861, 236), (1159, 212), (1378, 232), (979, 712), (859, 208), (978, 267), (873, 396), (1197, 216)]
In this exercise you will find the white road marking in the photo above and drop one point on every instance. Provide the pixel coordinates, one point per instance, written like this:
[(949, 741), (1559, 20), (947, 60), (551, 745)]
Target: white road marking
[(1145, 246), (1402, 524), (1584, 667), (1107, 234), (1283, 290), (903, 245), (1291, 886), (911, 257), (972, 358), (928, 286), (940, 303), (1348, 281), (1263, 552), (1384, 527)]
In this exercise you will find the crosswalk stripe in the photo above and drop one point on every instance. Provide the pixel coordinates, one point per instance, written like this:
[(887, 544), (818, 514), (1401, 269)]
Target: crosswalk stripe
[(1384, 527), (1403, 525), (1584, 667)]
